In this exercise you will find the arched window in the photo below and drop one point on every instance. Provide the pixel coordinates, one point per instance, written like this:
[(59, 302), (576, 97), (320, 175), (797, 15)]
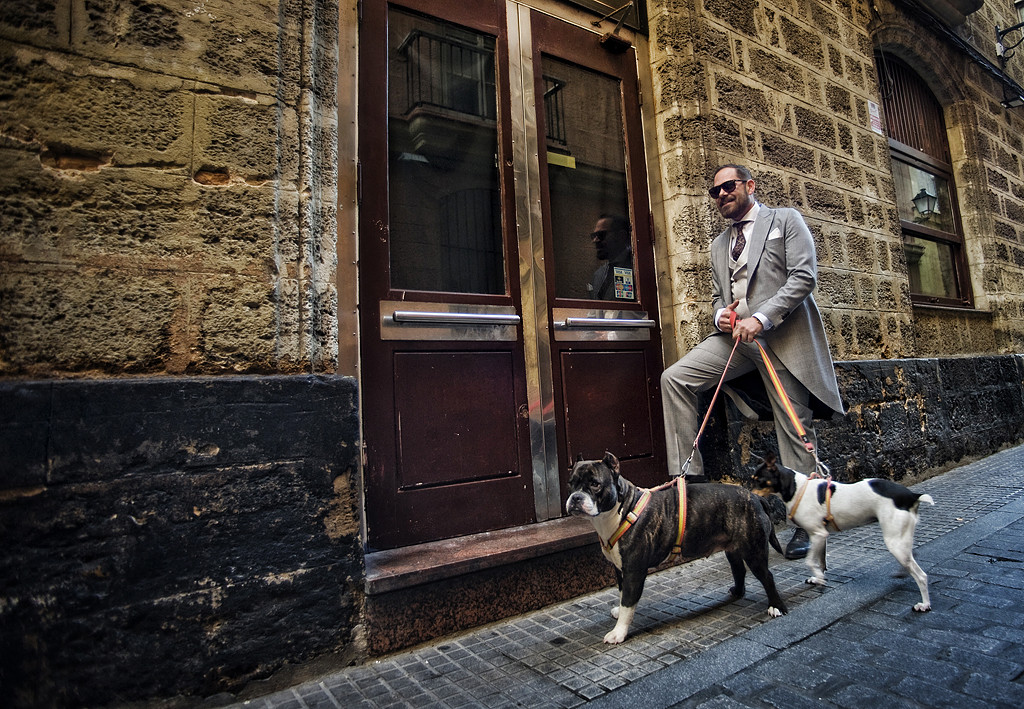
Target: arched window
[(925, 192)]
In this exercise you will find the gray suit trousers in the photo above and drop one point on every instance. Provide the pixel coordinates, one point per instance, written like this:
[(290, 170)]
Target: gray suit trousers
[(699, 370)]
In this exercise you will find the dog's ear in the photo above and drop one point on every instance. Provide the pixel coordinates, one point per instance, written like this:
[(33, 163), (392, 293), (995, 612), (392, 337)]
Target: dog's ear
[(769, 460), (579, 457), (621, 486), (611, 461), (786, 483)]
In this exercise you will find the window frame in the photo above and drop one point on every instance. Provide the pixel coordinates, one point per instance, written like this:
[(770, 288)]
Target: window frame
[(909, 155), (922, 161), (485, 17)]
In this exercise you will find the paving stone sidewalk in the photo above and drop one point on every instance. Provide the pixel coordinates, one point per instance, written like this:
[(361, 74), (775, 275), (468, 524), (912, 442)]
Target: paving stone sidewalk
[(853, 643)]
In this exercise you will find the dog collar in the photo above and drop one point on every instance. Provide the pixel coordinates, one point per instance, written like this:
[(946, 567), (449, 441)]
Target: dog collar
[(680, 484), (631, 517), (828, 519), (634, 514)]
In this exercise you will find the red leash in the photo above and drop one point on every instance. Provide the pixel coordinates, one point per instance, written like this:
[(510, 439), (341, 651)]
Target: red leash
[(686, 464)]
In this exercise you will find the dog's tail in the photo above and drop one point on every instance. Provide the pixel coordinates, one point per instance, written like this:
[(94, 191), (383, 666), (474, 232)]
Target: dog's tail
[(925, 498), (774, 541)]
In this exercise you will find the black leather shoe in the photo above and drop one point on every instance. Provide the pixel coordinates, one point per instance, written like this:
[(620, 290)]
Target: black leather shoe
[(799, 545)]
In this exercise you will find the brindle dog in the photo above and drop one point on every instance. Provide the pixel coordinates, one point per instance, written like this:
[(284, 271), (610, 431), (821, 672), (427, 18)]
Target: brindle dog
[(718, 518)]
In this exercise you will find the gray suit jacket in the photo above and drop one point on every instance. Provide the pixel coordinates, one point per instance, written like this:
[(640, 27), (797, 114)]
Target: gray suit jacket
[(782, 270)]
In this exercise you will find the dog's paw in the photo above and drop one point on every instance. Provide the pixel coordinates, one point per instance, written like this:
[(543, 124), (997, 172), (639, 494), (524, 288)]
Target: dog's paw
[(737, 592), (815, 581), (923, 607), (615, 636), (775, 612)]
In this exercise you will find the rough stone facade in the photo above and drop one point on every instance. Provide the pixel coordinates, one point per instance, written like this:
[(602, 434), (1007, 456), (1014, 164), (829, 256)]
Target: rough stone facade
[(174, 536), (785, 88), (986, 141), (168, 200), (178, 420), (169, 187)]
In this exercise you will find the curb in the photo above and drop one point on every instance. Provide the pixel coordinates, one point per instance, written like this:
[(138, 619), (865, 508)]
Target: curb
[(682, 680)]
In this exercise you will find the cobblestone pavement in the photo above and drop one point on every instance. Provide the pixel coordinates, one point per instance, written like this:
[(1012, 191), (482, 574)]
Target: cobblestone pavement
[(852, 643)]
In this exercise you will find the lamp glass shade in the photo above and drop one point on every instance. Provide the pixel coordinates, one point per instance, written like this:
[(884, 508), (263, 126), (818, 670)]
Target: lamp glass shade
[(925, 203)]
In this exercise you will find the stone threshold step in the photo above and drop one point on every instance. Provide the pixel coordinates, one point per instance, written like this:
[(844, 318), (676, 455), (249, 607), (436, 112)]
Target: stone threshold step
[(395, 569)]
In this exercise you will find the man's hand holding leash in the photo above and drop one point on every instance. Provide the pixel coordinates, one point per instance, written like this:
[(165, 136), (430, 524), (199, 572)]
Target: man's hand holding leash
[(745, 330)]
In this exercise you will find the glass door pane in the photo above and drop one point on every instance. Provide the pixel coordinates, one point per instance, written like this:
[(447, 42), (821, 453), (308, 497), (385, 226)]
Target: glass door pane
[(444, 199), (588, 191)]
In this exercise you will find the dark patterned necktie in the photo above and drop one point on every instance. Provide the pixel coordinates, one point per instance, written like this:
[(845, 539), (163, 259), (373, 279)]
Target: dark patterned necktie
[(741, 240)]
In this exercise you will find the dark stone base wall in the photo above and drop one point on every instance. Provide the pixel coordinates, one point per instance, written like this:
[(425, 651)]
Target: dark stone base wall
[(905, 417), (411, 616), (180, 538), (173, 537)]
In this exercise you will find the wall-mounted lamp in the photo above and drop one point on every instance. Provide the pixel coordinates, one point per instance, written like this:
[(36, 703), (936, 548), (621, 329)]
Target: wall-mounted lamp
[(1010, 100), (1005, 52), (925, 203)]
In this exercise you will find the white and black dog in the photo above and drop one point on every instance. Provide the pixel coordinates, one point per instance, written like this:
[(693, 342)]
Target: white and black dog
[(814, 504), (639, 529)]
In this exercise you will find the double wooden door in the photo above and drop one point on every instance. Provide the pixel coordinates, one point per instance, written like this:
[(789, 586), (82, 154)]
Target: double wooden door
[(507, 288)]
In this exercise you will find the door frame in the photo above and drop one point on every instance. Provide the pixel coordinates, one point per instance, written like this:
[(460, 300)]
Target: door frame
[(530, 291), (560, 39)]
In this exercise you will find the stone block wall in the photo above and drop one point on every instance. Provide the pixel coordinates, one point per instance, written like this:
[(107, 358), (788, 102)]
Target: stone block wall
[(175, 537), (168, 184), (786, 89), (168, 208), (986, 141)]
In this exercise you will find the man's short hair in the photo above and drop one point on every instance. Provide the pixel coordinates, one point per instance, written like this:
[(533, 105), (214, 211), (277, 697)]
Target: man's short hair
[(741, 170), (618, 222)]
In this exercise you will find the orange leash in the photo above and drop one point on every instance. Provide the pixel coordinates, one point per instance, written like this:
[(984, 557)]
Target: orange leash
[(820, 468), (799, 427), (783, 396)]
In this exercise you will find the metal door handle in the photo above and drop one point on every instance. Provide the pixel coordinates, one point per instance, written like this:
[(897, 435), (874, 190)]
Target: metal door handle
[(605, 323), (417, 317)]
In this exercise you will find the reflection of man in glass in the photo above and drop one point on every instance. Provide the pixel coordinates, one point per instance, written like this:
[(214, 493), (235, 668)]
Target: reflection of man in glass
[(613, 280)]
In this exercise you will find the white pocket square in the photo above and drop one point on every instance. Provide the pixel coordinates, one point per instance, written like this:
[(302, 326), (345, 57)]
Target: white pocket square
[(774, 234)]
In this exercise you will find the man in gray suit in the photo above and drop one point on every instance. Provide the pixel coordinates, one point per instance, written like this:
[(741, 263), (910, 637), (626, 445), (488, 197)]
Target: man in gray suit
[(763, 269)]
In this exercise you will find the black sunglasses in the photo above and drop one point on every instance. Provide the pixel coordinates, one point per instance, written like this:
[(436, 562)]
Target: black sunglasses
[(726, 187)]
